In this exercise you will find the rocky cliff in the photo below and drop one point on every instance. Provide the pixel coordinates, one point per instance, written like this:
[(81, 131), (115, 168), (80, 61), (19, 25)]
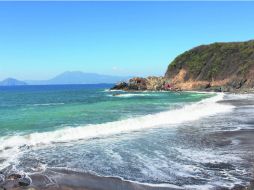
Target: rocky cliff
[(214, 67), (225, 66)]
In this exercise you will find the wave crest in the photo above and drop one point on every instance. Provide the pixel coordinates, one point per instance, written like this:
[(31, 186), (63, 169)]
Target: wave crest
[(170, 118)]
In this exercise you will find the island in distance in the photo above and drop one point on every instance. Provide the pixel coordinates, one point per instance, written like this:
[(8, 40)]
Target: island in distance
[(12, 82), (68, 77)]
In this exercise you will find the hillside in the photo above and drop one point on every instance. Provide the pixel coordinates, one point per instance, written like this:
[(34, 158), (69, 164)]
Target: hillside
[(229, 66), (11, 82), (214, 67)]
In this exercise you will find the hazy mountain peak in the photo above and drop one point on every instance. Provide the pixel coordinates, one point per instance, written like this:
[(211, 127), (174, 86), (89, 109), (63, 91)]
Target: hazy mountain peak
[(79, 77), (11, 82)]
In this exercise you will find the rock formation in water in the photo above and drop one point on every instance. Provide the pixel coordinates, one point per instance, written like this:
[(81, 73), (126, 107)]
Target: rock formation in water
[(215, 67), (140, 84)]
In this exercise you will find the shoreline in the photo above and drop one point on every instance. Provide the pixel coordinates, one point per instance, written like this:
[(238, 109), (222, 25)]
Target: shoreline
[(153, 83), (250, 91), (65, 179)]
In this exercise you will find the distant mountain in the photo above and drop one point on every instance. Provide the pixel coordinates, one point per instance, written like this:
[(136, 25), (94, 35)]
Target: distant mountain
[(78, 77), (12, 82)]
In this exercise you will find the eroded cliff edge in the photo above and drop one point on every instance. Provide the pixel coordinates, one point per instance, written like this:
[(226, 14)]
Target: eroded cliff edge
[(215, 67)]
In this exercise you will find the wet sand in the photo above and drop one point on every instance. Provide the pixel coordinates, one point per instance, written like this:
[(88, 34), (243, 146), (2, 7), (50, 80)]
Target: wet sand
[(62, 179), (244, 137), (58, 179)]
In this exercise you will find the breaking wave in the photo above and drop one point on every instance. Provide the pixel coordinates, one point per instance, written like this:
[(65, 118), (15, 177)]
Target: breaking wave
[(131, 95), (195, 111)]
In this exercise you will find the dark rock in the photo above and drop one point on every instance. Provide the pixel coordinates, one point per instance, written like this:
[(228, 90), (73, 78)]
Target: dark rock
[(240, 83), (237, 84), (14, 176), (25, 181), (216, 89), (208, 85), (132, 87), (120, 86)]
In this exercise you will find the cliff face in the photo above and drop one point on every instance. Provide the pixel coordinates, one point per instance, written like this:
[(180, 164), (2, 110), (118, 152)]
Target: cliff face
[(229, 66), (214, 67)]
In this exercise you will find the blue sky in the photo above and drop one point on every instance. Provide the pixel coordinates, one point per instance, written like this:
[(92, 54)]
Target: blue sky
[(41, 39)]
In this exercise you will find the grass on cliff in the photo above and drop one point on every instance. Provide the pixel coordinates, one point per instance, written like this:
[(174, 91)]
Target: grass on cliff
[(216, 57)]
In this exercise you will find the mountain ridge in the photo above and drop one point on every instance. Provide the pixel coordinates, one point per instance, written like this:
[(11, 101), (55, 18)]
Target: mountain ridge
[(73, 77), (12, 82)]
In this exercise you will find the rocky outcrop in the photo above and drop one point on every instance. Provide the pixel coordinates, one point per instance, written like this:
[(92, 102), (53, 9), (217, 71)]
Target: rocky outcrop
[(214, 67), (220, 66), (156, 83), (151, 83)]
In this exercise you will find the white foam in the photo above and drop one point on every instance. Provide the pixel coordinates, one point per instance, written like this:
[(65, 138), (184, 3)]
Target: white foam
[(131, 95), (170, 118), (109, 90), (207, 156), (48, 104)]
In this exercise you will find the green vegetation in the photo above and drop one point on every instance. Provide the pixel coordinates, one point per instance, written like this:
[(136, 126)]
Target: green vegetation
[(212, 61)]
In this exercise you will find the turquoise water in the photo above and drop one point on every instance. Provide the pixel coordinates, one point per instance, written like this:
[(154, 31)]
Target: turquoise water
[(30, 109), (151, 137)]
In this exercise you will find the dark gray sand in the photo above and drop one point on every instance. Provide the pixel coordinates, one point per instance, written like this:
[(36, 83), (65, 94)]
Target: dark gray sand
[(67, 180)]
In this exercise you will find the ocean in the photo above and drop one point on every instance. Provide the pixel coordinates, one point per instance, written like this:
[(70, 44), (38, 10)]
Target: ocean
[(187, 139)]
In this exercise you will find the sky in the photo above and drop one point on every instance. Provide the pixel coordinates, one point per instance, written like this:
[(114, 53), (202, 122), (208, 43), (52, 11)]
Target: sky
[(39, 40)]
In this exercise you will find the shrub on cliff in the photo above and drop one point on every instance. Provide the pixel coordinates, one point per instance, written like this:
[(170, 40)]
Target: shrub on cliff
[(214, 62)]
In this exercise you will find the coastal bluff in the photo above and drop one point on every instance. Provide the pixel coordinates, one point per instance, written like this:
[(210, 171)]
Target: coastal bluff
[(227, 67)]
